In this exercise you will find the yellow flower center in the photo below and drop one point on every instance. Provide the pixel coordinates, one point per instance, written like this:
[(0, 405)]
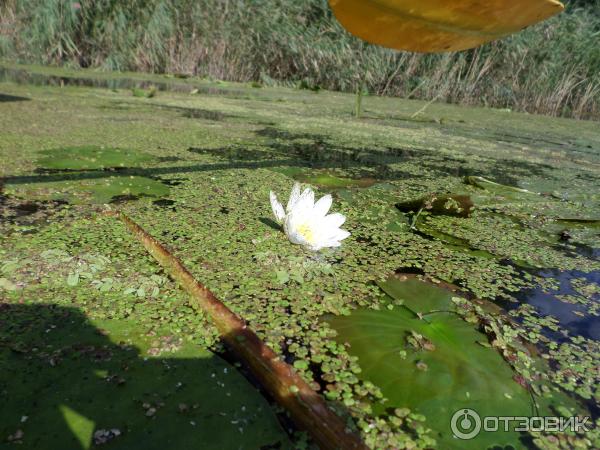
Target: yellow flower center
[(306, 231)]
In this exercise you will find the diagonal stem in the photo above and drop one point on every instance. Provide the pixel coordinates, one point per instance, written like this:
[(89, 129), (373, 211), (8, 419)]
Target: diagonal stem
[(305, 406)]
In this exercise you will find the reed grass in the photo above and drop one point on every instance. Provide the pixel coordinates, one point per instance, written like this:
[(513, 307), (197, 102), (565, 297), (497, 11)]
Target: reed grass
[(552, 68)]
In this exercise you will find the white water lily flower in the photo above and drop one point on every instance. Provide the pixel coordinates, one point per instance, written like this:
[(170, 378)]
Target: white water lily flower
[(306, 222)]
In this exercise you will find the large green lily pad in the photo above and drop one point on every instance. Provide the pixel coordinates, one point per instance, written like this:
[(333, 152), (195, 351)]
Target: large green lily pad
[(451, 205), (89, 183), (417, 295), (426, 226), (434, 366), (491, 194), (90, 158), (93, 190), (325, 179)]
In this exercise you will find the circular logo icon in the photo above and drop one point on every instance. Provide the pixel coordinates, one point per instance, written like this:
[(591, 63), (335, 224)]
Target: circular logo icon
[(465, 424)]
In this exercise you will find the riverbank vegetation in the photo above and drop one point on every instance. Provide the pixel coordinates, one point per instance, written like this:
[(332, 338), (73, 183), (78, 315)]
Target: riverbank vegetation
[(552, 68)]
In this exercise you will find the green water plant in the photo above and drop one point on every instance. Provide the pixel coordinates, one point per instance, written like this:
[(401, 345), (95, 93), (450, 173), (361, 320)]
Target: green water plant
[(425, 357), (90, 157), (95, 190)]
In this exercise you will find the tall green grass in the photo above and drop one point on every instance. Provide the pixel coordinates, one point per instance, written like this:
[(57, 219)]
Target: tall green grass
[(552, 68)]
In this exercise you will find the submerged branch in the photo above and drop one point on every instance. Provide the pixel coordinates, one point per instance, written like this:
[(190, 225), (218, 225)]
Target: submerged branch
[(306, 407)]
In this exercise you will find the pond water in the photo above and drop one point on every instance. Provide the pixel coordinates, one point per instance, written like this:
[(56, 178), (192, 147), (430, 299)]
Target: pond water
[(499, 314), (25, 77), (567, 304)]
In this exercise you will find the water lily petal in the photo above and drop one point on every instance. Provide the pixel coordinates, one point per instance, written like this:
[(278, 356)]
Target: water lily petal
[(322, 206), (277, 208), (292, 220), (328, 236), (291, 230), (294, 197), (341, 234), (305, 203), (334, 220), (297, 238)]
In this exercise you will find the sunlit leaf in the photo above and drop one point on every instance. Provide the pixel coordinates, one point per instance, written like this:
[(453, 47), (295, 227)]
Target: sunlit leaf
[(439, 25), (89, 158), (434, 366)]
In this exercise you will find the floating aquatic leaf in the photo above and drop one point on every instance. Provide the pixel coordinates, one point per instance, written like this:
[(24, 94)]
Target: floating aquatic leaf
[(419, 296), (73, 279), (492, 186), (282, 276), (458, 373), (438, 25), (95, 190), (449, 205), (90, 158)]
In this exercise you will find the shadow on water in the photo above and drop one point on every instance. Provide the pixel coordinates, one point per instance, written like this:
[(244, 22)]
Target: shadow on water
[(508, 172), (301, 150), (270, 223), (27, 213), (197, 113), (12, 98), (235, 153), (165, 203), (65, 383), (144, 172), (319, 152), (315, 149), (587, 251)]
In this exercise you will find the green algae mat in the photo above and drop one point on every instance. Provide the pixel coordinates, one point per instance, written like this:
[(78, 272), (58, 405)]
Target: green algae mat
[(470, 281), (80, 384)]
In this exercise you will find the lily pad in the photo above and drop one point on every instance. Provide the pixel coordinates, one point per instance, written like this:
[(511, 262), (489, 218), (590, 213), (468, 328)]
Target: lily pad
[(435, 367), (500, 193), (449, 205), (326, 179), (90, 158), (95, 190), (423, 226), (419, 296)]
